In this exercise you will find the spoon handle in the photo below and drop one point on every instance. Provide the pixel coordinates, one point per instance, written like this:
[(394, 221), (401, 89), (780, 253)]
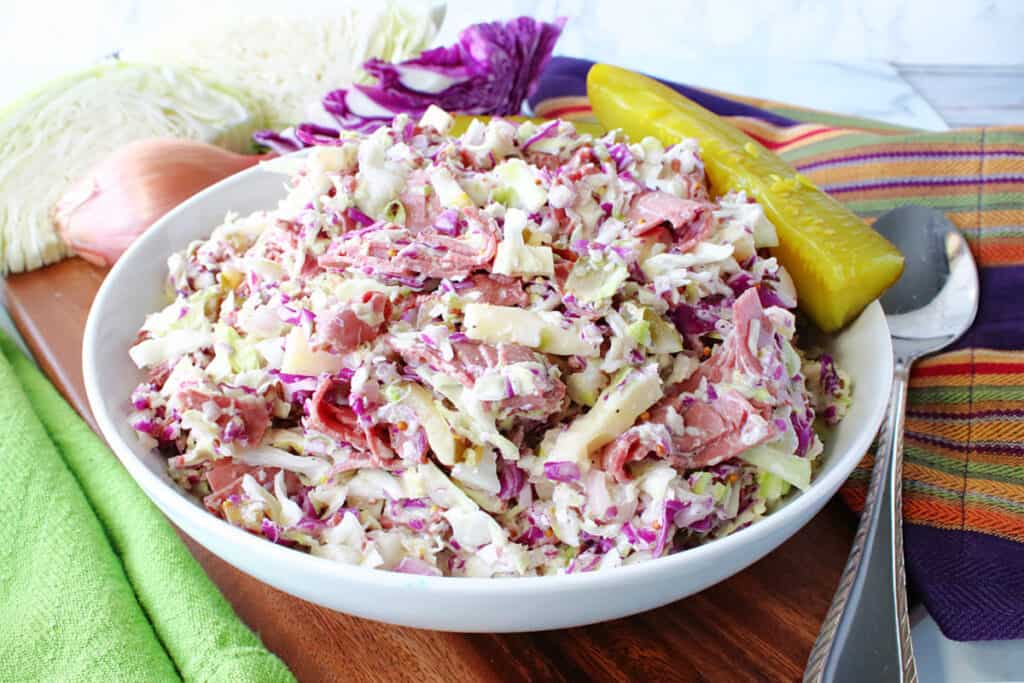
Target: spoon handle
[(866, 633)]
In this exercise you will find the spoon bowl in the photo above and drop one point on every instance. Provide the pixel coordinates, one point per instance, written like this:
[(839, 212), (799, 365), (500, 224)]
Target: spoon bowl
[(936, 298)]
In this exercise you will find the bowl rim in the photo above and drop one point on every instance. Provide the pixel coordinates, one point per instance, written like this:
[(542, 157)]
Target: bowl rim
[(168, 498)]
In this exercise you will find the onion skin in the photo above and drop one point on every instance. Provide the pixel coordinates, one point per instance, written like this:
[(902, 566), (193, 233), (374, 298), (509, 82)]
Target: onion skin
[(125, 193)]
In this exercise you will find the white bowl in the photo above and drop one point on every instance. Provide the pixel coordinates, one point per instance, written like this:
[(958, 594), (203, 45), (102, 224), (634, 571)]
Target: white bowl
[(135, 287)]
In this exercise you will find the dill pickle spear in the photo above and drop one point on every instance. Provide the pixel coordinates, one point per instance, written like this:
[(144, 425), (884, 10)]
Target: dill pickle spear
[(462, 122), (838, 263)]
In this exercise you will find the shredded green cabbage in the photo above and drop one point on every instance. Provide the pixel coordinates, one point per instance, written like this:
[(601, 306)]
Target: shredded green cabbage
[(287, 63), (50, 138)]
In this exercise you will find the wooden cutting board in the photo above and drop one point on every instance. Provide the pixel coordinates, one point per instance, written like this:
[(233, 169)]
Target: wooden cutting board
[(759, 625)]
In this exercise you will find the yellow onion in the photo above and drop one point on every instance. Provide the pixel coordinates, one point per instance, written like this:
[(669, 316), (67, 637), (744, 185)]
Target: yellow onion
[(125, 193)]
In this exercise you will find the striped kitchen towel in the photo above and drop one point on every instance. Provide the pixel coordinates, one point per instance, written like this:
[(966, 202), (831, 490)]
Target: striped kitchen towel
[(963, 491)]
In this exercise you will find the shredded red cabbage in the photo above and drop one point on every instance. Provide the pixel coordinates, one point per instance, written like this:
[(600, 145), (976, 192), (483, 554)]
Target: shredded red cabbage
[(667, 520), (357, 216), (447, 222), (512, 480), (545, 131), (804, 430), (562, 471), (740, 282), (829, 377), (698, 319), (703, 526), (621, 155), (412, 565), (492, 69), (270, 530), (281, 143), (145, 426), (770, 297)]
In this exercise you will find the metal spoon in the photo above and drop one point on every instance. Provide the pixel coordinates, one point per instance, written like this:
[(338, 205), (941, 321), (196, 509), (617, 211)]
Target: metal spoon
[(866, 633)]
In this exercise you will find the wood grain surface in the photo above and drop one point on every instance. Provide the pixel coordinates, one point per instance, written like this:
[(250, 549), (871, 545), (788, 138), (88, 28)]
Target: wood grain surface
[(757, 626)]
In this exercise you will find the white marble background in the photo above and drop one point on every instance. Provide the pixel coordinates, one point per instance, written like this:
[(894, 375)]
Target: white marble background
[(923, 63), (922, 31), (841, 55)]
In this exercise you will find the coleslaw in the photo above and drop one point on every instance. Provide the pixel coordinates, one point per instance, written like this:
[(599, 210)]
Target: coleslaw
[(519, 351)]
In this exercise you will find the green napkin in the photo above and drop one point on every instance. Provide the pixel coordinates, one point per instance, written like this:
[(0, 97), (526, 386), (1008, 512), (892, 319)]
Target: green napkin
[(94, 583)]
